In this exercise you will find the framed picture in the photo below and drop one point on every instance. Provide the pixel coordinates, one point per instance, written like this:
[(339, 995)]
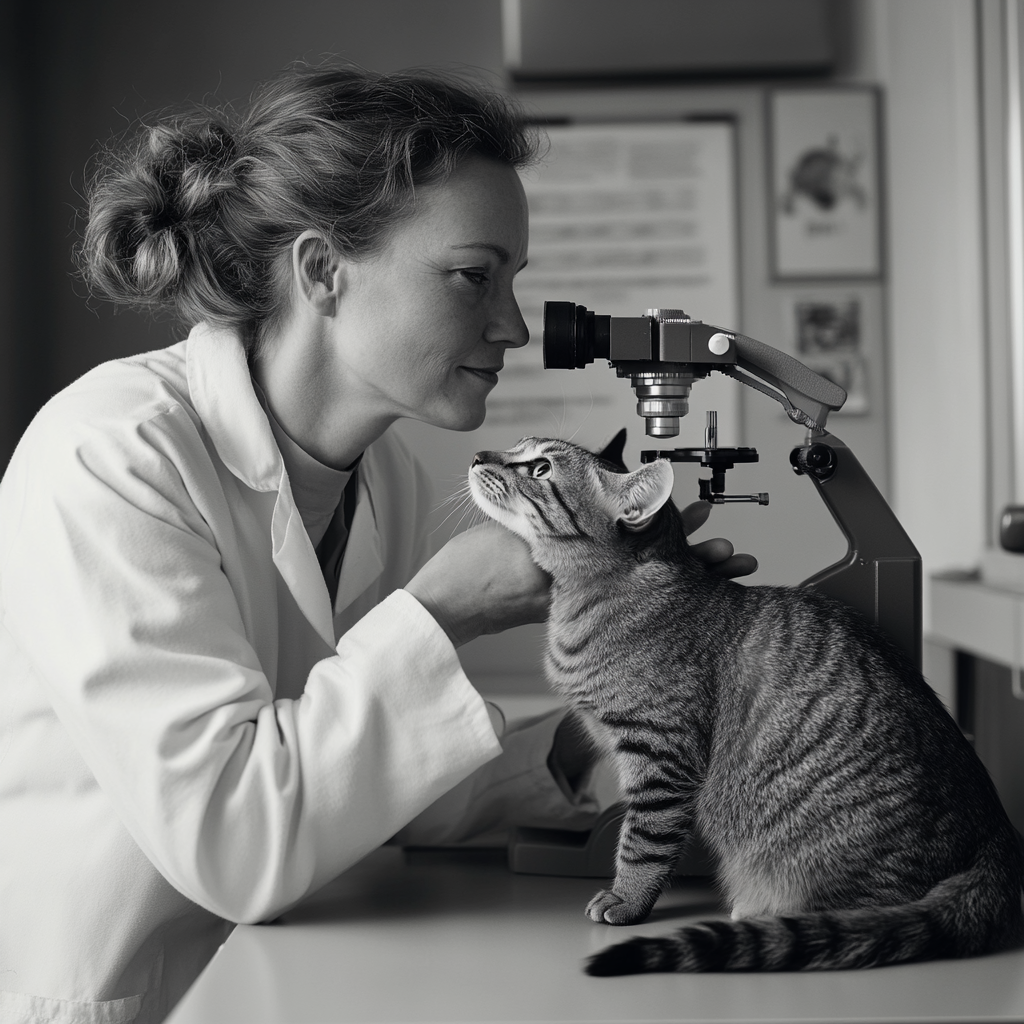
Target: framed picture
[(827, 329), (824, 188)]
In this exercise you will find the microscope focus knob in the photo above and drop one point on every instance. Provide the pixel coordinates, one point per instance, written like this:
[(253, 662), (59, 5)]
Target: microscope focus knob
[(718, 344), (817, 460)]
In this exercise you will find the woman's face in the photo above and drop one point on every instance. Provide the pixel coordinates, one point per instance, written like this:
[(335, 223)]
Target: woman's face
[(422, 327)]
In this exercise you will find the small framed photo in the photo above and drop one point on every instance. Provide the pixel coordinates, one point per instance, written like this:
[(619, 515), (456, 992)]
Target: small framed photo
[(827, 331), (824, 188)]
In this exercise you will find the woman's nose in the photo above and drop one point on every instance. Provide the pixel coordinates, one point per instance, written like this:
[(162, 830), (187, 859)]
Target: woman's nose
[(509, 327)]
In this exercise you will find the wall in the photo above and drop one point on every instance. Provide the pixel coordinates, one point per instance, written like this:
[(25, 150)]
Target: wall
[(923, 52)]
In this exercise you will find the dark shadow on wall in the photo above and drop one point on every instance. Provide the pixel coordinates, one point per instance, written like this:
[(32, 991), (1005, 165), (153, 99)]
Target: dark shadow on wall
[(35, 211), (73, 75)]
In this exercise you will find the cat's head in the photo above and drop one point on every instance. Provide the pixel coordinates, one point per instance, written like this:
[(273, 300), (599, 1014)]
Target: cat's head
[(555, 494)]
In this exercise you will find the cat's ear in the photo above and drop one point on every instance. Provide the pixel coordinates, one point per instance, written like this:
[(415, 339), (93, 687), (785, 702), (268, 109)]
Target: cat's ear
[(643, 492), (612, 451)]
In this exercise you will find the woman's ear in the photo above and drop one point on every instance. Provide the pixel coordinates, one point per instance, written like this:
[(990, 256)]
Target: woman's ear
[(317, 273), (643, 492)]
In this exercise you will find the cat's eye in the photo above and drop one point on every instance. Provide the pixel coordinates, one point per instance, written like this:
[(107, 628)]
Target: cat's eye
[(541, 469)]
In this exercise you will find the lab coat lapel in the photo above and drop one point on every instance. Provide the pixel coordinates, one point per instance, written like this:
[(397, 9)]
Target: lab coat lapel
[(221, 388), (297, 563), (364, 558)]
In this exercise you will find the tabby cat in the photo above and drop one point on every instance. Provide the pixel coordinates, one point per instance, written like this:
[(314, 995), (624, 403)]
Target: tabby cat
[(852, 824)]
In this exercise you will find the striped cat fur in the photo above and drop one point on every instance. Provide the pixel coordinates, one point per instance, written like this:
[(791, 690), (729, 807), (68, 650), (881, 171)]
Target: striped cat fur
[(852, 823)]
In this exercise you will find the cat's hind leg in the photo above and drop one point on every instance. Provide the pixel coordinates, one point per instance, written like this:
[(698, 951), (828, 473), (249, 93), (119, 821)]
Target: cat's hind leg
[(763, 889)]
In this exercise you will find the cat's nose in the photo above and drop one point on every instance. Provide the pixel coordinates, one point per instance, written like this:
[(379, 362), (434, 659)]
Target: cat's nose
[(477, 459)]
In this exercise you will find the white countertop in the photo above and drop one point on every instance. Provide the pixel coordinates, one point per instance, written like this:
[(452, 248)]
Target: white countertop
[(432, 938)]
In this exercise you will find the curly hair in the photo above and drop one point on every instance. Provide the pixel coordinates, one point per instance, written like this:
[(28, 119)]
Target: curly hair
[(197, 211)]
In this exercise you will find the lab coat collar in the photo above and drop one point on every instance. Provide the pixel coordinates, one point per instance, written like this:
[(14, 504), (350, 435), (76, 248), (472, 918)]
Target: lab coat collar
[(221, 389)]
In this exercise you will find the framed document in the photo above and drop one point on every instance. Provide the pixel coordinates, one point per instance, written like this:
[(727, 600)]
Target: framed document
[(824, 183)]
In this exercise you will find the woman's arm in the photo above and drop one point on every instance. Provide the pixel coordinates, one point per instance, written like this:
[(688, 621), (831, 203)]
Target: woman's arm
[(124, 602), (485, 581)]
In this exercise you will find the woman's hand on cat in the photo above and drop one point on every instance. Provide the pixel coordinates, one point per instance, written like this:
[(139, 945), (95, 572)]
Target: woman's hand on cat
[(717, 554), (482, 581)]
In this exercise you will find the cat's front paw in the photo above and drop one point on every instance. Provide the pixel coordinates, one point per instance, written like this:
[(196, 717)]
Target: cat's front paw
[(607, 907)]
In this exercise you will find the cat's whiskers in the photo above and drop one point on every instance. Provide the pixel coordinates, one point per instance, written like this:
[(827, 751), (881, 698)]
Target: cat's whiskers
[(455, 499), (476, 518), (460, 491), (583, 422), (463, 501)]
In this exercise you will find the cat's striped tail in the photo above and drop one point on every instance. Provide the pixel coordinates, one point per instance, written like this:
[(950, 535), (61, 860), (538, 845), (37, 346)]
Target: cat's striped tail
[(966, 915)]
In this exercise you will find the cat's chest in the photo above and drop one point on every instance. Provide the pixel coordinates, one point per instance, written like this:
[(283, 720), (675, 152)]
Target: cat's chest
[(572, 642), (589, 648), (583, 617)]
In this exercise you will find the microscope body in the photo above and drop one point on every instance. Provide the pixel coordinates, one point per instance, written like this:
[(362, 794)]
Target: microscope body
[(665, 352)]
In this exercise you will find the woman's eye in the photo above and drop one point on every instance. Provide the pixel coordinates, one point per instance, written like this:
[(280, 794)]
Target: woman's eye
[(541, 469), (474, 276)]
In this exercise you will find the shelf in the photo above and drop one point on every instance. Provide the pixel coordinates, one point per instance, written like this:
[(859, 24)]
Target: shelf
[(982, 612)]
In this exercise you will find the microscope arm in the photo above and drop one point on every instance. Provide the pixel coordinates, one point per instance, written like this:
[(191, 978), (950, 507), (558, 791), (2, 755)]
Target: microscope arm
[(880, 574), (692, 347), (811, 396)]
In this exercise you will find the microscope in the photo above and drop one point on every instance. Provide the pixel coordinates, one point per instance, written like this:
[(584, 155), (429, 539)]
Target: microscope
[(664, 353)]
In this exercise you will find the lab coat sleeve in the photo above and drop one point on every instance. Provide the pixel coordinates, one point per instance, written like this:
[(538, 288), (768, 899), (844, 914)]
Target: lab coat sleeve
[(515, 789), (112, 587)]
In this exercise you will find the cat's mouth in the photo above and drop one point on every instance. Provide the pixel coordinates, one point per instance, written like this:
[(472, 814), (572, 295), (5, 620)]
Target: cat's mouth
[(487, 486), (489, 492)]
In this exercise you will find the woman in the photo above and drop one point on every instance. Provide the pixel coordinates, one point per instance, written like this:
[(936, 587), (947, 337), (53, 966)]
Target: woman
[(227, 672)]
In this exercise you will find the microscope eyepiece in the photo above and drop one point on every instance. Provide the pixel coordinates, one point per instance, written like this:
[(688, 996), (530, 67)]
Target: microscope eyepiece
[(573, 336)]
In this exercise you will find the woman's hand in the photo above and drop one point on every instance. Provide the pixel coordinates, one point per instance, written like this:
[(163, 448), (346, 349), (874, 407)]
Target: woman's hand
[(482, 581), (485, 580), (716, 554)]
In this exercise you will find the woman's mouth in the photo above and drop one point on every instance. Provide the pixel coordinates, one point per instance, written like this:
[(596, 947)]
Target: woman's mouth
[(490, 376)]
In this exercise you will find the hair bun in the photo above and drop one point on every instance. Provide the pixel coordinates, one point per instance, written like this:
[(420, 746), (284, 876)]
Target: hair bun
[(191, 165), (151, 206)]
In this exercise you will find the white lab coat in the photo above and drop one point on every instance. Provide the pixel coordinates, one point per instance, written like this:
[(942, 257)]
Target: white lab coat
[(183, 743)]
